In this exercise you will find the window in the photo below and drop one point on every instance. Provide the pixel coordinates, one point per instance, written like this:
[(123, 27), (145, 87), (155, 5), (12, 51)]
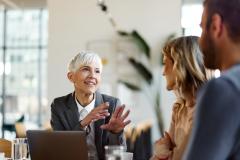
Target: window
[(23, 41), (191, 19)]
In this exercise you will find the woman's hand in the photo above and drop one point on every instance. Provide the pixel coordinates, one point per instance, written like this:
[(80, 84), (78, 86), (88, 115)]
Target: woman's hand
[(117, 122), (99, 112), (163, 147), (156, 158)]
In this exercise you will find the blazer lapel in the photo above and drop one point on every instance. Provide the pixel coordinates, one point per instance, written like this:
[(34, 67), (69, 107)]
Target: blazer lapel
[(98, 130), (72, 113)]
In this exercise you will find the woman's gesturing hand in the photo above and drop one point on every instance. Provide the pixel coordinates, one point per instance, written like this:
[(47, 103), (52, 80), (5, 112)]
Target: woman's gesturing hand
[(117, 122), (99, 112)]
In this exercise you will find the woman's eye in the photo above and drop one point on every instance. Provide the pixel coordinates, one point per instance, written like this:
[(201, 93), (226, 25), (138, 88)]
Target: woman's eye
[(97, 71), (85, 69)]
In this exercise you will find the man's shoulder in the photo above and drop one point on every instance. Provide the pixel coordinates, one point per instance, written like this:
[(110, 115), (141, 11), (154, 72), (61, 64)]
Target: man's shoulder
[(215, 85), (228, 81), (233, 77), (221, 92)]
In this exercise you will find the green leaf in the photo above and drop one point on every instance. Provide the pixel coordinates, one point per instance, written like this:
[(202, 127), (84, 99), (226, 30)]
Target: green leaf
[(130, 85), (160, 120), (159, 114), (142, 44), (123, 33), (142, 70)]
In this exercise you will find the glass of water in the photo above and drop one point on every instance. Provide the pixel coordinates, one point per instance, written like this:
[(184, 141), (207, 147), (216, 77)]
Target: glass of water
[(114, 152), (126, 156), (20, 149), (2, 156)]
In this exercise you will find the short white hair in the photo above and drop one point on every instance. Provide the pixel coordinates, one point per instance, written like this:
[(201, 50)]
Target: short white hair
[(84, 58)]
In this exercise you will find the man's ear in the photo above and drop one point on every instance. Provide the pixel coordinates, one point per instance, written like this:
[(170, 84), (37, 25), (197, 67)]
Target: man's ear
[(216, 26), (70, 76)]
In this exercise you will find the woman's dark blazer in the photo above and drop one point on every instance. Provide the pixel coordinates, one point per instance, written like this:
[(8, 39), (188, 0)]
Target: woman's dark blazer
[(65, 117)]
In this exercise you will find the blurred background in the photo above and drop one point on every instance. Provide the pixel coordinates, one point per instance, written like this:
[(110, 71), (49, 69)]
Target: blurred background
[(39, 37)]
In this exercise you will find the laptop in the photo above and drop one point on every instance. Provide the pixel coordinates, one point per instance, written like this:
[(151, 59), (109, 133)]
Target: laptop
[(57, 145)]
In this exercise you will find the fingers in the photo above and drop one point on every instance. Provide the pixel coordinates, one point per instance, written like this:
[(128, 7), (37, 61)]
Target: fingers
[(95, 118), (101, 111), (103, 106), (100, 115), (165, 141), (127, 122), (125, 115), (172, 144), (120, 111), (104, 126), (104, 112), (115, 113), (116, 125), (154, 158), (117, 120)]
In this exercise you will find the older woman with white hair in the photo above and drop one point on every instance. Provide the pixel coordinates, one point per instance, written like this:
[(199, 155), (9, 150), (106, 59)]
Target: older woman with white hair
[(100, 116)]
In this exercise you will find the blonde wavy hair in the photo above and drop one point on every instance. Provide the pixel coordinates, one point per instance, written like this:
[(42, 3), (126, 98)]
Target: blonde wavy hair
[(188, 65)]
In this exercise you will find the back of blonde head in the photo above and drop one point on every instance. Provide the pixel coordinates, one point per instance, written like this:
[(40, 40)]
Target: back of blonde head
[(187, 64)]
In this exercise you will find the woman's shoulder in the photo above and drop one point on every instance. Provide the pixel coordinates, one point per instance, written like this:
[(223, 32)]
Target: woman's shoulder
[(62, 99), (113, 101), (108, 97)]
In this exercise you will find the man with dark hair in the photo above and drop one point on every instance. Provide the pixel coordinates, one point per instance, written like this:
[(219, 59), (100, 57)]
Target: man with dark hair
[(216, 131)]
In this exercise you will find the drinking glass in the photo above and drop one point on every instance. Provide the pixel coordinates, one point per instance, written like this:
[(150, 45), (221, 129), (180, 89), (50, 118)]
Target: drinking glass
[(126, 156), (2, 155), (20, 149), (114, 152)]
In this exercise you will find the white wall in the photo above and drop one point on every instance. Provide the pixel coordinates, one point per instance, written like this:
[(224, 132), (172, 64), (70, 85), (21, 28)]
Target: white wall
[(73, 23)]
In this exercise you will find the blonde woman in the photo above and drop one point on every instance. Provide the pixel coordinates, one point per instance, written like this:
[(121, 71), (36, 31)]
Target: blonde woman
[(185, 74)]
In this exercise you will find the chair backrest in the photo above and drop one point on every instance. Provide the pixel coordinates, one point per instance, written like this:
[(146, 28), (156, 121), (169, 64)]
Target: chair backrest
[(6, 147), (139, 140), (20, 130)]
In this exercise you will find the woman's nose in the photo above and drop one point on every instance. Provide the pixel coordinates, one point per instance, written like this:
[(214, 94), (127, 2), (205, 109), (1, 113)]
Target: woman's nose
[(92, 74)]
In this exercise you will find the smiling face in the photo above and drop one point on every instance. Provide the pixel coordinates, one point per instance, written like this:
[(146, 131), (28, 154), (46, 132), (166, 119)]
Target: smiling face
[(169, 73), (87, 78)]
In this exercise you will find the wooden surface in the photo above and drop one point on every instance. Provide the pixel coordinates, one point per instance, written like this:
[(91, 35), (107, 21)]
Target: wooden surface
[(6, 147)]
